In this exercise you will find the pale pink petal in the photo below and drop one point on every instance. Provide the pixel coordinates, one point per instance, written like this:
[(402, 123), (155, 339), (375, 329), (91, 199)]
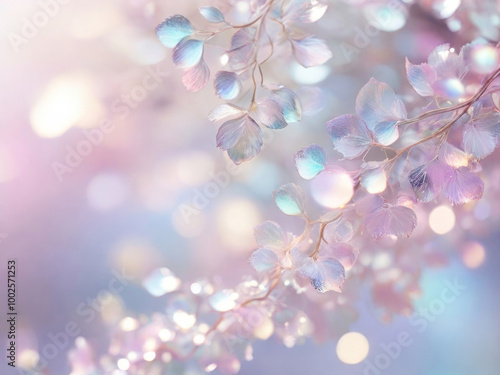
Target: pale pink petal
[(197, 77), (311, 51), (463, 186)]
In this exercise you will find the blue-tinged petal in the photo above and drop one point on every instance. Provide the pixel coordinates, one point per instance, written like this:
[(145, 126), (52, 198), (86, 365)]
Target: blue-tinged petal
[(173, 30), (463, 186), (270, 235), (421, 77), (241, 137), (325, 274), (310, 161), (270, 114), (387, 220), (290, 199), (264, 260), (349, 135), (380, 109), (227, 85), (290, 104), (212, 14), (481, 135), (187, 53), (197, 77), (311, 51), (428, 180)]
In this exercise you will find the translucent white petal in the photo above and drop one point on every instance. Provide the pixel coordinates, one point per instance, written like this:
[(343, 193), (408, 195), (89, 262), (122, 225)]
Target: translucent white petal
[(325, 274), (481, 135), (421, 77), (381, 109), (342, 252), (270, 235), (241, 137), (264, 260), (270, 114)]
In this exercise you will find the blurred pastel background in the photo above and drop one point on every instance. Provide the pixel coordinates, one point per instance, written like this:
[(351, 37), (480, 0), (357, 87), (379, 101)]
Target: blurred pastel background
[(72, 224)]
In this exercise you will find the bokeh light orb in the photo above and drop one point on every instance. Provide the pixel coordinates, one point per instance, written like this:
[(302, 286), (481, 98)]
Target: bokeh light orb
[(332, 188), (484, 59), (473, 254), (451, 88), (235, 221), (442, 219), (353, 348)]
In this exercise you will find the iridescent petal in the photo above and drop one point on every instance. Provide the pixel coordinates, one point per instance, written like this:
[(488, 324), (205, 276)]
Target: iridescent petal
[(242, 48), (445, 63), (290, 199), (340, 230), (374, 178), (196, 77), (224, 112), (310, 161), (481, 135), (227, 85), (463, 187), (391, 220), (241, 137), (421, 77), (270, 235), (325, 274), (187, 53), (303, 11), (495, 98), (342, 252), (264, 260), (453, 156), (428, 180), (290, 104), (381, 109), (311, 51), (270, 114), (349, 135), (212, 14), (173, 30)]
